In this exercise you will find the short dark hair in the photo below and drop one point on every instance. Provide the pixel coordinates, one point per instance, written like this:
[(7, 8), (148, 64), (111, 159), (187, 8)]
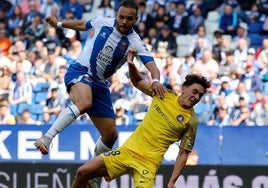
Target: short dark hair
[(129, 4), (191, 79)]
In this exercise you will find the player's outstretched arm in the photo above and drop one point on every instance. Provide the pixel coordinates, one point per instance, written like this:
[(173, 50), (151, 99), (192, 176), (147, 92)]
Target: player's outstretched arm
[(79, 25), (180, 163), (135, 75)]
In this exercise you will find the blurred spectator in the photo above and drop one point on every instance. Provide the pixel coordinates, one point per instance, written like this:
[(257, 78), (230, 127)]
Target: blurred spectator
[(142, 30), (34, 10), (105, 9), (46, 119), (178, 23), (217, 49), (52, 41), (59, 83), (28, 5), (195, 20), (35, 31), (15, 49), (186, 66), (18, 35), (73, 6), (5, 116), (225, 89), (229, 21), (87, 4), (117, 88), (4, 62), (154, 8), (197, 4), (16, 19), (258, 99), (165, 44), (121, 106), (26, 65), (169, 73), (199, 48), (152, 36), (47, 7), (263, 8), (259, 115), (264, 30), (52, 66), (172, 8), (241, 53), (5, 81), (161, 18), (228, 66), (253, 14), (40, 49), (53, 103), (73, 53), (21, 91), (144, 16), (67, 36), (206, 66), (25, 118), (5, 42), (232, 100), (37, 70), (263, 55), (240, 114), (241, 33), (222, 118), (201, 33)]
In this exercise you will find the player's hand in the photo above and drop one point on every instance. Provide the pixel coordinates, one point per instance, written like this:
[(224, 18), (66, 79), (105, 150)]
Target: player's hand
[(130, 56), (171, 185), (158, 89), (52, 20)]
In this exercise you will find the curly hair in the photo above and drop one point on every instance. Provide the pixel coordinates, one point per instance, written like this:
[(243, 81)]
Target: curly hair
[(198, 79)]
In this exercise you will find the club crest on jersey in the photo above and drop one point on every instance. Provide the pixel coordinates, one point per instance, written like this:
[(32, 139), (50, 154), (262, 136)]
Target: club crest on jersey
[(103, 34), (122, 46), (180, 118)]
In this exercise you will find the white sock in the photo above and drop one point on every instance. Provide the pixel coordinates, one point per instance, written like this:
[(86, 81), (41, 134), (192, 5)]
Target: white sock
[(100, 147), (65, 118)]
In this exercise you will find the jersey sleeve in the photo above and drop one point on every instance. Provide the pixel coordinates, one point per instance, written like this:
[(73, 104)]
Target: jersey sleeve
[(188, 138), (99, 22), (142, 50)]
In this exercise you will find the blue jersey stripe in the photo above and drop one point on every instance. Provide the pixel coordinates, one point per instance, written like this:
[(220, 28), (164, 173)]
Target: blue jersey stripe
[(118, 55), (99, 43), (146, 59)]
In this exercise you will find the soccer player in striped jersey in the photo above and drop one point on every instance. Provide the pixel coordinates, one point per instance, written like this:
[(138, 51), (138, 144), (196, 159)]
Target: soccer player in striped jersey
[(168, 120), (86, 80)]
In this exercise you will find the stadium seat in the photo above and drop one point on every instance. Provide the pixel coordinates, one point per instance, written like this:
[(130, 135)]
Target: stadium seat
[(37, 111), (255, 27), (213, 16), (40, 91), (183, 42), (23, 106), (39, 97), (255, 40), (41, 86), (211, 27)]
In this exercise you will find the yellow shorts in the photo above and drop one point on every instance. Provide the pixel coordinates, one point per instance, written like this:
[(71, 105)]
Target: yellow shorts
[(123, 161)]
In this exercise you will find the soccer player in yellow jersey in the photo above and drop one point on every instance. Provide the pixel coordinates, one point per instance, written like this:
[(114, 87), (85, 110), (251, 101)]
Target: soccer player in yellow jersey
[(168, 120)]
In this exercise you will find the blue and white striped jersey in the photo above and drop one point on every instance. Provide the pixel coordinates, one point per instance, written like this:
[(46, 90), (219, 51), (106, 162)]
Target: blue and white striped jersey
[(107, 51)]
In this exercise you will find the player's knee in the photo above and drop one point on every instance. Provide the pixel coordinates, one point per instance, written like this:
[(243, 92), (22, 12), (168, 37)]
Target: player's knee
[(113, 135), (81, 175)]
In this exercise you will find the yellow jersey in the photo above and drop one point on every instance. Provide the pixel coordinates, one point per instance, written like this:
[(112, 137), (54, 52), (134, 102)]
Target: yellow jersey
[(165, 122)]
